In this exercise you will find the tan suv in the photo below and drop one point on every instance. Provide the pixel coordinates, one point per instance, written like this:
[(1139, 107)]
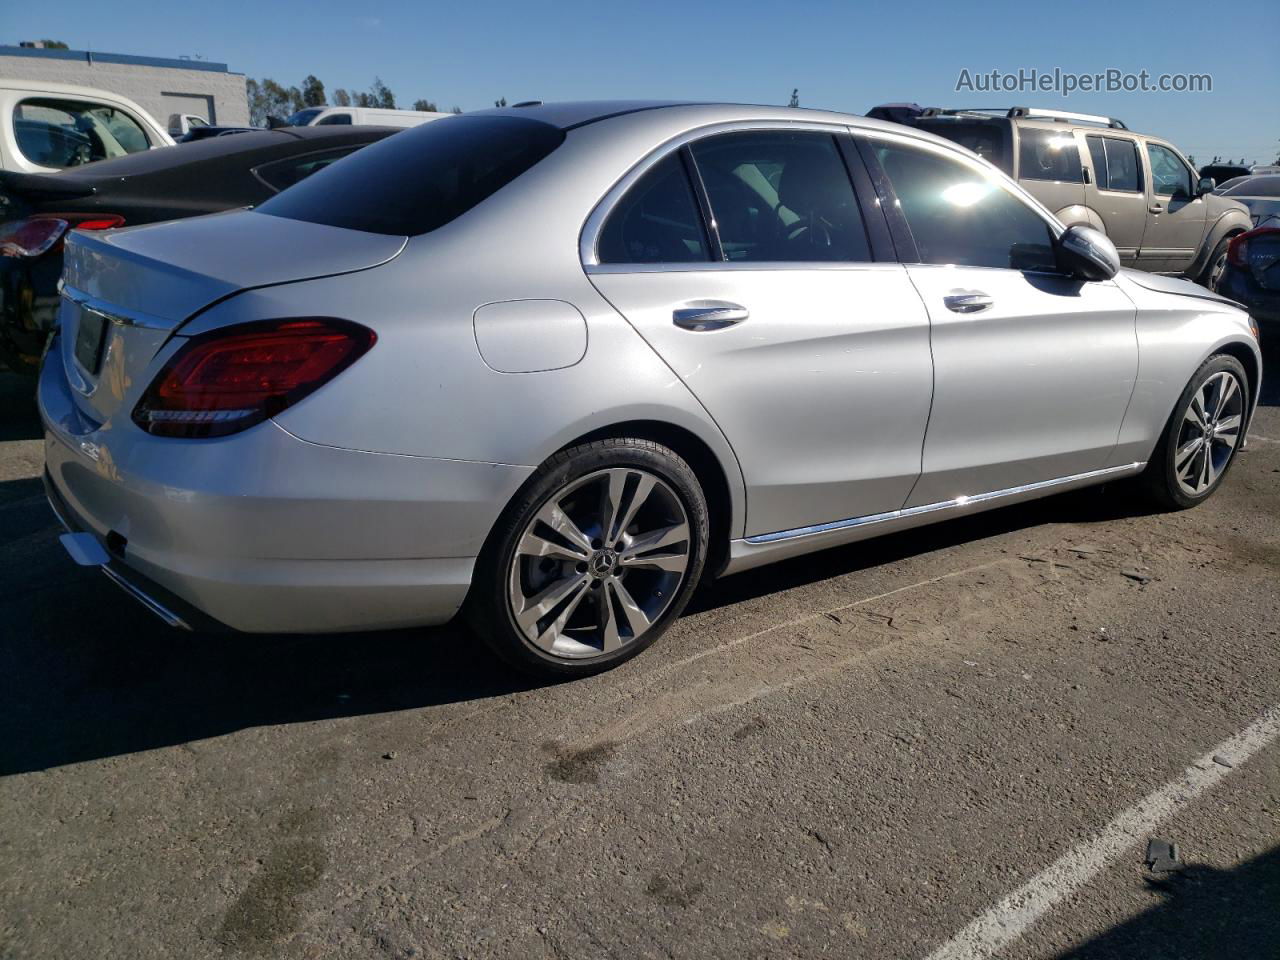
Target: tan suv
[(1138, 189)]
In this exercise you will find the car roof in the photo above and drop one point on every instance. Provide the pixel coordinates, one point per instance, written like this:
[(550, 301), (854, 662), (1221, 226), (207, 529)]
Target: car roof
[(573, 114), (211, 148)]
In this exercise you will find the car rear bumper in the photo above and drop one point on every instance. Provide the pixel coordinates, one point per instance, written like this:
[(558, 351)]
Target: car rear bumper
[(1239, 285), (264, 532)]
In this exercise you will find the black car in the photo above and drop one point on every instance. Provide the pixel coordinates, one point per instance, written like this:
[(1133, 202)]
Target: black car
[(1222, 172), (168, 183), (1251, 276)]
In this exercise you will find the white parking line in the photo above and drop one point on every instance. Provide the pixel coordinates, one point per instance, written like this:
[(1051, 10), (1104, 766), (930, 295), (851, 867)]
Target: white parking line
[(1010, 918)]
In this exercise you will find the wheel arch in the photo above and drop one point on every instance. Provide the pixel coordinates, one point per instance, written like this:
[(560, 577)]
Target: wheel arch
[(1252, 369), (709, 469)]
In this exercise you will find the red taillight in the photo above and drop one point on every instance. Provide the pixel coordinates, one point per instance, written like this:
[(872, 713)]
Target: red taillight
[(1238, 248), (38, 235), (31, 237), (228, 380)]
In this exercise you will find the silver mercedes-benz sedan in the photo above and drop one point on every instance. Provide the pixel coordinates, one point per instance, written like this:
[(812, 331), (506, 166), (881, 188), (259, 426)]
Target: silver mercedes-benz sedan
[(555, 364)]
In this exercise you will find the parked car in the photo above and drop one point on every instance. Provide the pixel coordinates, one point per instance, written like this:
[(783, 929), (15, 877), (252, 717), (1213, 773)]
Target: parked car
[(349, 116), (1260, 195), (557, 363), (39, 209), (1252, 274), (52, 126), (1221, 172), (1137, 189)]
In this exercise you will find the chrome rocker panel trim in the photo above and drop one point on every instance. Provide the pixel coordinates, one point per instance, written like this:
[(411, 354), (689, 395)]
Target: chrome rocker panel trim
[(769, 547)]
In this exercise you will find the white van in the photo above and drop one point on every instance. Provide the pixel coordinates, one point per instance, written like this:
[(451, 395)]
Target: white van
[(45, 127), (361, 116)]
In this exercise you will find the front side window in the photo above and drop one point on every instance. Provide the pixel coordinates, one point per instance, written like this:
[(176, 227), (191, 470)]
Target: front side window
[(1048, 155), (1169, 175), (957, 215), (419, 179), (657, 221), (69, 133), (303, 117), (781, 196)]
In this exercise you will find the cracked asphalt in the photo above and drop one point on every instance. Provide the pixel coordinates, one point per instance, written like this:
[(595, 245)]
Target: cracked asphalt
[(847, 755)]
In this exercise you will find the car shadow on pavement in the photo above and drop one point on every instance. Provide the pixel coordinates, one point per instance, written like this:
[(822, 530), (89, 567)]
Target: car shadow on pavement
[(86, 673), (1206, 913), (18, 417)]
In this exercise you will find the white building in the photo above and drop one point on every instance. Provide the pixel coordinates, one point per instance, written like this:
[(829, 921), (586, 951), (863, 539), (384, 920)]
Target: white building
[(160, 86)]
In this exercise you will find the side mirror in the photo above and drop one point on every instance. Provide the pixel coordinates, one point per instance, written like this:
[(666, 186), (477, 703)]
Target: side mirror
[(1206, 185), (1087, 253)]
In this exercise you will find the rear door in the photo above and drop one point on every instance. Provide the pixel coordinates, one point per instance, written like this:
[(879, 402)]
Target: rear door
[(1032, 369), (811, 354), (1178, 216), (1118, 193)]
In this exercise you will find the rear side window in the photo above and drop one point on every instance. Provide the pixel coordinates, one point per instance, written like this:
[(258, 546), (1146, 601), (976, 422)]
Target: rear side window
[(1115, 164), (781, 196), (69, 133), (416, 181), (657, 221), (1048, 155), (285, 173), (957, 215), (985, 139), (334, 119)]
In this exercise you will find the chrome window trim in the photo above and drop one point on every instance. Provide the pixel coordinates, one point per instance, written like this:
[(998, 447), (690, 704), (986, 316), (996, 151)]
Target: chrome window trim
[(953, 504), (590, 234), (699, 266)]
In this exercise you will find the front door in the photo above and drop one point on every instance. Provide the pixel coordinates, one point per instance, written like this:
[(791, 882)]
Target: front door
[(1033, 370), (1177, 221), (812, 358)]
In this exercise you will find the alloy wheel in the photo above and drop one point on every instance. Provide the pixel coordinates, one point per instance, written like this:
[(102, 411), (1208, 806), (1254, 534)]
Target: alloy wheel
[(1216, 271), (599, 563), (1209, 433)]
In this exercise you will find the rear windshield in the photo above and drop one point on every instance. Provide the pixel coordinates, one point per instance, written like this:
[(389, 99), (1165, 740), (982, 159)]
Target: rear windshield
[(984, 139), (1255, 187), (415, 181)]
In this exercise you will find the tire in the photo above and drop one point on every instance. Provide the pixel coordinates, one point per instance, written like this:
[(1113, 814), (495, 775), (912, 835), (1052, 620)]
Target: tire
[(581, 572), (1181, 474), (1211, 275)]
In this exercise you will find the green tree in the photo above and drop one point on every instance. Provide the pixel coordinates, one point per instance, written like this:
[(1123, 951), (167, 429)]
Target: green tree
[(500, 103), (456, 109), (54, 45), (795, 97), (341, 98), (381, 95), (313, 91), (425, 105)]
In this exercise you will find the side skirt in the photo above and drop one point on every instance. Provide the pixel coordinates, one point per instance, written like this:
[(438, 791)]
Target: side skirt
[(765, 548)]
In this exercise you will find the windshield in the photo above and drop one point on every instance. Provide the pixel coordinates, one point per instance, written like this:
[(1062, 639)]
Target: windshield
[(415, 181), (303, 117)]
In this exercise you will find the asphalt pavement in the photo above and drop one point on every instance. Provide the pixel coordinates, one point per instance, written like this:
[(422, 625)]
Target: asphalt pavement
[(950, 743)]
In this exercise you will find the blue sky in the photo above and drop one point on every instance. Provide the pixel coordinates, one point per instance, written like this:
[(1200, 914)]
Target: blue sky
[(845, 56)]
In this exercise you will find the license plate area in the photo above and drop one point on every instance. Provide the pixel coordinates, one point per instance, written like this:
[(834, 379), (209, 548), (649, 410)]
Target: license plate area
[(91, 336)]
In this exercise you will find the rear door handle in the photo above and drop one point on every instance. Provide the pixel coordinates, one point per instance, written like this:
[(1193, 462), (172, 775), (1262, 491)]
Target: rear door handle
[(705, 315), (967, 301), (1156, 208)]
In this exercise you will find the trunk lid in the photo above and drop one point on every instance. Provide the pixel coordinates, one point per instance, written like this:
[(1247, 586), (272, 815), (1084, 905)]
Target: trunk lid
[(125, 292)]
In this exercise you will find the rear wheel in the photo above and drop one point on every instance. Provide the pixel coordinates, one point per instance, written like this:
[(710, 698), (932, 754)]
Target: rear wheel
[(1211, 276), (593, 561), (1202, 436)]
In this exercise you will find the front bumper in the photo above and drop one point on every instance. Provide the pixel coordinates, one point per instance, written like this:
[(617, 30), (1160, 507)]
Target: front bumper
[(264, 532)]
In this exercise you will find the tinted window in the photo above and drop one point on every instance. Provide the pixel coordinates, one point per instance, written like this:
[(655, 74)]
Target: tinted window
[(1115, 163), (957, 215), (1169, 175), (419, 179), (657, 221), (68, 133), (1255, 187), (984, 139), (285, 173), (781, 197), (303, 117), (333, 119), (1048, 155)]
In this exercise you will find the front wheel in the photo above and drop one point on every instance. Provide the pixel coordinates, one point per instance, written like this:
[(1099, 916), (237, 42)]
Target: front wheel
[(594, 559), (1202, 436)]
